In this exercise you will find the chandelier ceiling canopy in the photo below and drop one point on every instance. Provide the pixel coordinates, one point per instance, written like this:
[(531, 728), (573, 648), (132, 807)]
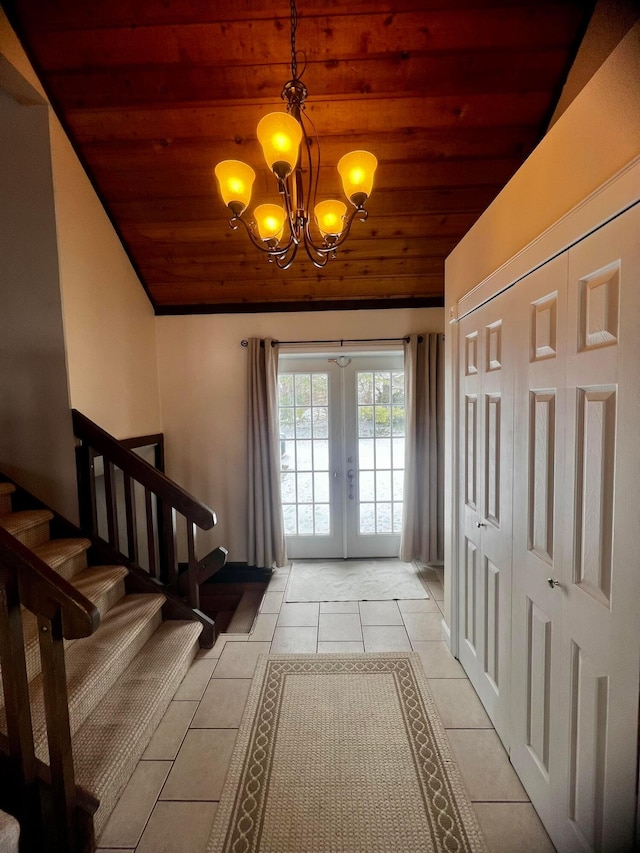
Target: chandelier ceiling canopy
[(279, 229)]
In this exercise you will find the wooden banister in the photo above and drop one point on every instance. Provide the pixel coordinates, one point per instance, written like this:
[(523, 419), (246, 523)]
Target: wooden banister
[(162, 501), (62, 613), (44, 592), (138, 468)]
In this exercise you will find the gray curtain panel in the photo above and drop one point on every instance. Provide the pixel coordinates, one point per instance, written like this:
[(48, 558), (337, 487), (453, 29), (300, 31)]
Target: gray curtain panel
[(423, 511), (266, 545)]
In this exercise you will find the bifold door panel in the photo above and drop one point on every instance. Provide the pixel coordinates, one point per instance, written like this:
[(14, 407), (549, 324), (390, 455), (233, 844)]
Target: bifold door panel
[(556, 611)]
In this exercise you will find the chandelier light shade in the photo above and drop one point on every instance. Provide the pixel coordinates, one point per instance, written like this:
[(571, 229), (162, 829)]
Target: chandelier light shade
[(270, 222), (235, 179), (280, 136), (294, 159), (330, 216), (357, 170)]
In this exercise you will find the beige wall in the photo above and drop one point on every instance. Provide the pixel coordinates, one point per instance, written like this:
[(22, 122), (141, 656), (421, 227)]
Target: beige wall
[(36, 438), (594, 139), (202, 370), (109, 324)]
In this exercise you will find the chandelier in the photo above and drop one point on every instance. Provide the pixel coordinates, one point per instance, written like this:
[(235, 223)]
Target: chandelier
[(279, 229)]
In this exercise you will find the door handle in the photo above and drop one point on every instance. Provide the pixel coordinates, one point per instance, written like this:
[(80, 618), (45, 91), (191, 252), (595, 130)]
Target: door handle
[(480, 524), (351, 475), (553, 583)]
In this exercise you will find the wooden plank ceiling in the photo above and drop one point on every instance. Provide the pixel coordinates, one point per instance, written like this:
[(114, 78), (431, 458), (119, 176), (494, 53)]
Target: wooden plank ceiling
[(451, 96)]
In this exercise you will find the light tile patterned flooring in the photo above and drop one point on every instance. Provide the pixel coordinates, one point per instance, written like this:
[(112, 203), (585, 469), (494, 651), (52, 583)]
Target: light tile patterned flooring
[(171, 800)]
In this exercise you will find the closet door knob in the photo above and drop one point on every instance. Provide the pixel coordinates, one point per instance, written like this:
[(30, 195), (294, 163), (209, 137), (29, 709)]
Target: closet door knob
[(480, 524), (552, 582)]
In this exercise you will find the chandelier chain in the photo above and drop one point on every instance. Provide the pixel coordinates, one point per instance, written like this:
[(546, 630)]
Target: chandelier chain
[(294, 26)]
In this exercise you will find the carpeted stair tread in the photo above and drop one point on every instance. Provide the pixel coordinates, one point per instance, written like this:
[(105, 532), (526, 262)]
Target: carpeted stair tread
[(9, 833), (29, 526), (65, 556), (6, 488), (108, 746), (102, 585), (95, 663)]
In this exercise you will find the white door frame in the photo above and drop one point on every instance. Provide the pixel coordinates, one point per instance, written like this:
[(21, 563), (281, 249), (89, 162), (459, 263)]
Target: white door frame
[(375, 357)]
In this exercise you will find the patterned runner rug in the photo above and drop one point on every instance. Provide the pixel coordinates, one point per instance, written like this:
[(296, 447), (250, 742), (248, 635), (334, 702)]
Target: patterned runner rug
[(343, 754), (353, 580)]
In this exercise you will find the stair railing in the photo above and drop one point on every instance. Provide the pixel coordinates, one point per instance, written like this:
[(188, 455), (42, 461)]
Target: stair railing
[(63, 613), (163, 501)]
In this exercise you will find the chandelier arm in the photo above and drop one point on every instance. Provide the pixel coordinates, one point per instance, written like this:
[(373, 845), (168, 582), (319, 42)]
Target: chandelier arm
[(358, 212), (328, 249), (272, 251), (324, 249), (282, 261), (318, 255)]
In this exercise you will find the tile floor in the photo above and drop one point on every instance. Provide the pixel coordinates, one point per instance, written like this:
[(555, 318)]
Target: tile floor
[(171, 800)]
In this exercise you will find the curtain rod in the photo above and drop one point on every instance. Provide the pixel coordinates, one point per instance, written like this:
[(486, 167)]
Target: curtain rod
[(340, 341)]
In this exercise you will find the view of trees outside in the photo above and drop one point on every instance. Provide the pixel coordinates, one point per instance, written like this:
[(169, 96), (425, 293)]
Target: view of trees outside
[(303, 400), (380, 402)]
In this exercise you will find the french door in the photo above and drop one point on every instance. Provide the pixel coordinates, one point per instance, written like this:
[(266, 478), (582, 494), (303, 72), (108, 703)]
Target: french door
[(342, 454)]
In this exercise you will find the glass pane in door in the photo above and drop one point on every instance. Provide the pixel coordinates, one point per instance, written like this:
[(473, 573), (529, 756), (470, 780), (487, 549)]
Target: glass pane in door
[(303, 402), (380, 442)]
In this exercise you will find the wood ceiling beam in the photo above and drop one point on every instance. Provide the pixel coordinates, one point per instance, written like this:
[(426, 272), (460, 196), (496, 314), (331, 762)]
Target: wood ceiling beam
[(71, 16), (333, 117), (323, 38), (397, 177), (241, 250), (389, 203), (146, 232), (425, 144), (467, 74), (259, 269), (409, 287)]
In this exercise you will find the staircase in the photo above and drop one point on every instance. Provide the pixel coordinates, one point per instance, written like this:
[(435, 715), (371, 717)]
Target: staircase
[(120, 679)]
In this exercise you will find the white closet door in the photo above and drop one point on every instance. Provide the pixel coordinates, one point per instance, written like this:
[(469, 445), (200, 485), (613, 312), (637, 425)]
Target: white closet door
[(600, 646), (486, 454), (540, 310), (576, 584)]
